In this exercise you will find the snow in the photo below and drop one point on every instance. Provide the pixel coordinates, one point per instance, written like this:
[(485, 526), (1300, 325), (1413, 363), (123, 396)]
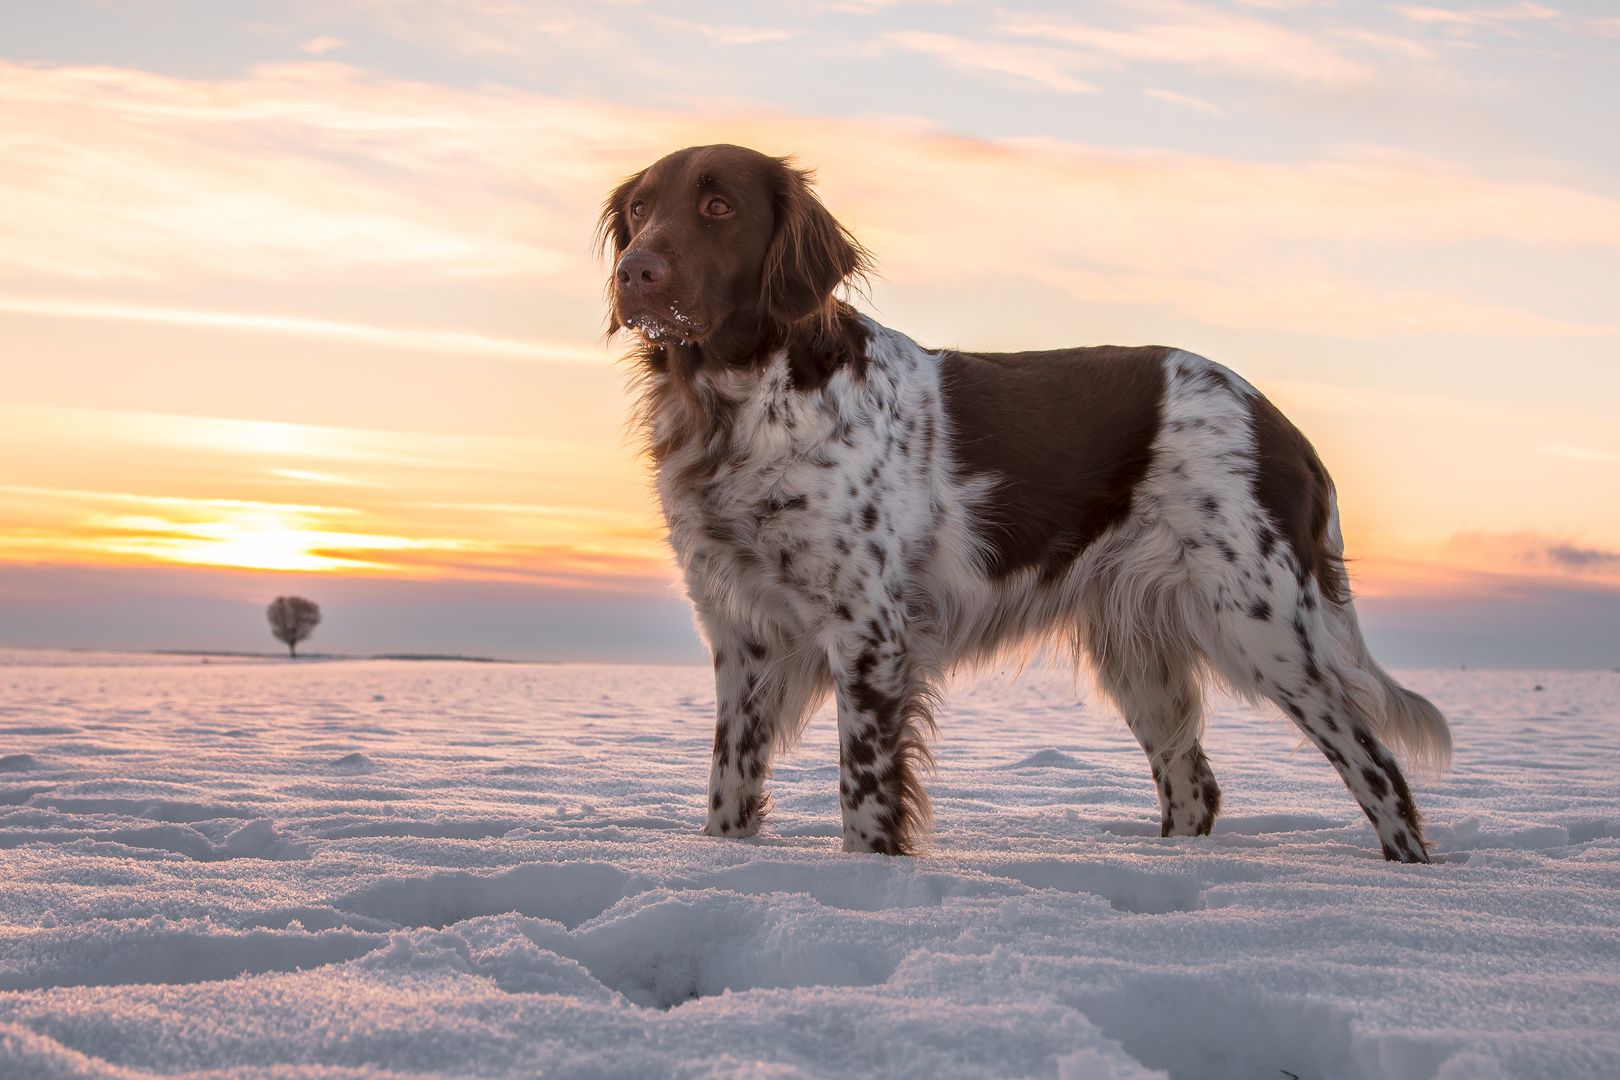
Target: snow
[(247, 868)]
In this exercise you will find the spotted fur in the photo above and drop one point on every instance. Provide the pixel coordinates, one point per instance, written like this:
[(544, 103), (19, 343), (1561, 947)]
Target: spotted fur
[(857, 515)]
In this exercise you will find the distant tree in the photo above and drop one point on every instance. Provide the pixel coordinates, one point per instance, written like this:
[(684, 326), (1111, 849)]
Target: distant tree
[(292, 619)]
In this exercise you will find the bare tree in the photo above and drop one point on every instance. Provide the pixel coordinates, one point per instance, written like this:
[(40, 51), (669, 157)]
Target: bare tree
[(292, 619)]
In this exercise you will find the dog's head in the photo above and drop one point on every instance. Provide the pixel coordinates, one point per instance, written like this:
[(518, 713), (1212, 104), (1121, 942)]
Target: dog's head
[(724, 249)]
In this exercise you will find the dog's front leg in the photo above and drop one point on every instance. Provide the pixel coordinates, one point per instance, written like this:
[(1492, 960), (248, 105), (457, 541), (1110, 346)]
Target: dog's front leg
[(882, 707), (746, 716)]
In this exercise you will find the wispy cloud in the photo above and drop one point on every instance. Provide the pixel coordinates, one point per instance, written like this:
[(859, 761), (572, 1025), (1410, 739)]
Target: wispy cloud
[(1394, 46), (727, 35), (1323, 246), (1184, 100), (317, 173), (320, 46), (1476, 565), (450, 342), (305, 172), (1532, 554), (1044, 67), (322, 478), (1202, 37), (499, 27), (1496, 18)]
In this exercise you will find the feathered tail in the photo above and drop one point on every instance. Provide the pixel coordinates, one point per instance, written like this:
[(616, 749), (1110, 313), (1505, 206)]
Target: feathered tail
[(1405, 719)]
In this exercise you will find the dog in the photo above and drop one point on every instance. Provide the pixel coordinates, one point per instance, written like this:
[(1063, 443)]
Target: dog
[(855, 514)]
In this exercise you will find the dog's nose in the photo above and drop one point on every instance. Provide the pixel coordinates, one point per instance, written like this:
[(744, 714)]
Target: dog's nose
[(641, 270)]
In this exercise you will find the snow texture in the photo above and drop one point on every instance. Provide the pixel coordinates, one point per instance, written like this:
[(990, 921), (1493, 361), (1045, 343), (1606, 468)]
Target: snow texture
[(344, 869)]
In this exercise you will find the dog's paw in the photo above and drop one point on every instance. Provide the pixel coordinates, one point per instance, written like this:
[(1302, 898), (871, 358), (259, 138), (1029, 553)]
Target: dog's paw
[(732, 825)]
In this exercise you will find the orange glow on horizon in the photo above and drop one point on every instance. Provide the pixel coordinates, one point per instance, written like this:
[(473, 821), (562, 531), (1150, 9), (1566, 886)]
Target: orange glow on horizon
[(367, 503), (437, 506)]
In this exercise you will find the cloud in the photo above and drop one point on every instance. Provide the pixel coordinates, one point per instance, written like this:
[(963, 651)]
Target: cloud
[(1196, 104), (322, 478), (499, 27), (1479, 566), (450, 342), (1324, 246), (1046, 68), (1201, 37), (1391, 45), (1499, 18), (727, 35), (320, 46), (319, 174), (303, 172), (974, 38), (1532, 555)]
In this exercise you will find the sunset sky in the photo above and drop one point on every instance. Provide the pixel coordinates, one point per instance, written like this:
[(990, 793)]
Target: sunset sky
[(300, 297)]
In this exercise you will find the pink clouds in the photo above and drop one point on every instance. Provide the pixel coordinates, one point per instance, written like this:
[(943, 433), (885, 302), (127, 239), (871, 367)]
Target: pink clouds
[(1486, 565), (1200, 37), (449, 342), (1043, 66), (317, 172), (305, 171)]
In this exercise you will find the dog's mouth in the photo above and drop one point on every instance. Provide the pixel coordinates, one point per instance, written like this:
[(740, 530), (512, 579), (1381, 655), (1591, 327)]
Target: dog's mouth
[(667, 324)]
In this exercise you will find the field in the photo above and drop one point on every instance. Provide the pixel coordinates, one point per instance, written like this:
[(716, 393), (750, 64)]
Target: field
[(253, 868)]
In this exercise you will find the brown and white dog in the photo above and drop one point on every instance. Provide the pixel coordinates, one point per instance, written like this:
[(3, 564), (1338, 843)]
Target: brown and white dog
[(857, 514)]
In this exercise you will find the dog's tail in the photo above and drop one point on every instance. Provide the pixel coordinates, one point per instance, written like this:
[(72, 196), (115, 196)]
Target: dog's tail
[(1405, 719)]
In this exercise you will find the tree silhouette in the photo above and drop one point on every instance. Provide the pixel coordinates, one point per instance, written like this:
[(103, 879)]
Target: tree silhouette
[(292, 619)]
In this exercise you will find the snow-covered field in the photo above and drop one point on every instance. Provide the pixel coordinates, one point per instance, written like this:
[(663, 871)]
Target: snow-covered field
[(262, 869)]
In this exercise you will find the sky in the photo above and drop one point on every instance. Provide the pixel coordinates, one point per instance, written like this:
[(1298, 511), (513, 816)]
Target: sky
[(301, 297)]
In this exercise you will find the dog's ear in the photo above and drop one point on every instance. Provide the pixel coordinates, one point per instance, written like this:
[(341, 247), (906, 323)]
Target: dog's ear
[(612, 230), (810, 255), (613, 234)]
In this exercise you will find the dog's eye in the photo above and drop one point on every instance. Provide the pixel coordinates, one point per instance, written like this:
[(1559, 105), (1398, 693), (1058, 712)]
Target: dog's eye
[(638, 208), (717, 207)]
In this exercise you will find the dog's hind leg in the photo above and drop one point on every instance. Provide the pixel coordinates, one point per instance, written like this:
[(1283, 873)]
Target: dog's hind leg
[(1288, 646), (1158, 691)]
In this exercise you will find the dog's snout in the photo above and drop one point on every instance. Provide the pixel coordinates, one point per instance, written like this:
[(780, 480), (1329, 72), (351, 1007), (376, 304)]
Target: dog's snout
[(641, 270)]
